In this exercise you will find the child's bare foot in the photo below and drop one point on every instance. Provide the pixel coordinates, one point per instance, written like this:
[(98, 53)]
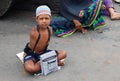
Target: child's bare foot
[(61, 62), (115, 16), (81, 14)]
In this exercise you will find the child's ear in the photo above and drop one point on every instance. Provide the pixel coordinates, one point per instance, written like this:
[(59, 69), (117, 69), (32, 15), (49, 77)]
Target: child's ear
[(36, 19)]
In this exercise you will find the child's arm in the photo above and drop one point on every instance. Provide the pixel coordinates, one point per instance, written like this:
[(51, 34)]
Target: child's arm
[(33, 30), (51, 30)]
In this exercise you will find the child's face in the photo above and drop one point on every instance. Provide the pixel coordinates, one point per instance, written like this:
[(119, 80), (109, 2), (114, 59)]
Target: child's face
[(43, 20)]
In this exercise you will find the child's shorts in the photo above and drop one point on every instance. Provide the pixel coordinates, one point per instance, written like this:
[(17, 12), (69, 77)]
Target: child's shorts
[(34, 57)]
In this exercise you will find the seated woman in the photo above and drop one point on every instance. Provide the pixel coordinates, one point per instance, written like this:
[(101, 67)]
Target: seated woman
[(109, 10), (80, 14)]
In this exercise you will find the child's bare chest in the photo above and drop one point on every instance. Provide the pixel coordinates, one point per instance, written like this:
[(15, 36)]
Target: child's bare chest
[(43, 41)]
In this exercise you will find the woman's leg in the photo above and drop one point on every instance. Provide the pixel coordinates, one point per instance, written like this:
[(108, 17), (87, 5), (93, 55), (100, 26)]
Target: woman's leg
[(106, 5), (114, 15), (93, 17), (109, 7)]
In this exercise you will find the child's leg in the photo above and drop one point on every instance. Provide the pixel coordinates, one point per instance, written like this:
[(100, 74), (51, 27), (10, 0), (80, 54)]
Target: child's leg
[(32, 67), (61, 55)]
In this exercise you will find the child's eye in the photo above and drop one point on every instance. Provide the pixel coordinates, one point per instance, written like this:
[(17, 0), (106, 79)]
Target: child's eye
[(46, 18), (40, 18)]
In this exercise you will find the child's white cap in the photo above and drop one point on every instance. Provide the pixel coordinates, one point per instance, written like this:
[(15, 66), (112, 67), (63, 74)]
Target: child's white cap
[(43, 9)]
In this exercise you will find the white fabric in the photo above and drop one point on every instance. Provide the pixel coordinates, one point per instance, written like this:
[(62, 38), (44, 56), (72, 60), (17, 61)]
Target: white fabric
[(43, 10), (21, 56)]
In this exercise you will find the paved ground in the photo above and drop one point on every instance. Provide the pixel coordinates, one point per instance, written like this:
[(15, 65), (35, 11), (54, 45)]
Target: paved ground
[(94, 56)]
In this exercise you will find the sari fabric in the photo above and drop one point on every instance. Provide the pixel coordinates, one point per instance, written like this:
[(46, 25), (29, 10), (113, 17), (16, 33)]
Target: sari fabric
[(70, 9), (108, 4)]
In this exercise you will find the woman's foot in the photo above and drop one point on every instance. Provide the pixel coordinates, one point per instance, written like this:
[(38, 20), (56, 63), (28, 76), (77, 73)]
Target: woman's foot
[(115, 16), (82, 30)]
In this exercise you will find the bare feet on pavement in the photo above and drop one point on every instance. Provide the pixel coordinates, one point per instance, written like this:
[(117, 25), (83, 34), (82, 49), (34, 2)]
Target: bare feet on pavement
[(115, 16)]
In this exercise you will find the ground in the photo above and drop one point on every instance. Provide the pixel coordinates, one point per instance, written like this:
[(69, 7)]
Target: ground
[(94, 56)]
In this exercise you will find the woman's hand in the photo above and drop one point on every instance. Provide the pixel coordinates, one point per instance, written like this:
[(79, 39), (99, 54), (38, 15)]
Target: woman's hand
[(81, 14), (103, 7), (78, 26)]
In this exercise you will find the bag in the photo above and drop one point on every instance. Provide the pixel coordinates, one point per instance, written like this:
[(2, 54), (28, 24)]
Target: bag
[(48, 62)]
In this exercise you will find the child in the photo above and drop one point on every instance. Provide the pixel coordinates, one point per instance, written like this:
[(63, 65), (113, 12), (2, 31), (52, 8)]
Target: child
[(109, 10), (39, 40)]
